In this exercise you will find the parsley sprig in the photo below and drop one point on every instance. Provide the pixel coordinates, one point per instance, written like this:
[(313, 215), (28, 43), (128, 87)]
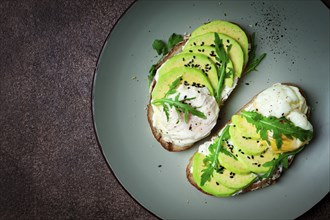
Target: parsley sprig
[(253, 61), (278, 126), (211, 161), (162, 48), (283, 160), (181, 106), (223, 59)]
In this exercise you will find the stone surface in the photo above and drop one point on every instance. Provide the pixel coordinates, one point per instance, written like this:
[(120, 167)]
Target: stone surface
[(51, 166)]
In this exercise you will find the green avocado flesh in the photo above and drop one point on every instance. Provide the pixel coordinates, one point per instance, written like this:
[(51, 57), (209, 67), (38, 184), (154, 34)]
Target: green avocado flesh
[(239, 163), (248, 129), (236, 53), (194, 60), (210, 52), (247, 144), (191, 75), (213, 187), (254, 162), (234, 180), (228, 28), (230, 163)]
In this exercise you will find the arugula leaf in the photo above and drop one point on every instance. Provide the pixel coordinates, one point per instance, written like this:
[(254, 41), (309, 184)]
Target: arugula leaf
[(283, 160), (211, 161), (278, 126), (173, 40), (152, 73), (223, 58), (179, 105), (173, 86), (228, 153), (160, 46), (253, 61)]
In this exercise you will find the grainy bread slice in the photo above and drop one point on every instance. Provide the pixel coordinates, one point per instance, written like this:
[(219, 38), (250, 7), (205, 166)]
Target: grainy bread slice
[(259, 183), (167, 145), (158, 136)]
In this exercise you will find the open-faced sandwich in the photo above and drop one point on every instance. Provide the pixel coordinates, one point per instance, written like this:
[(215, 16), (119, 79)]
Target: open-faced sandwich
[(192, 80), (255, 146)]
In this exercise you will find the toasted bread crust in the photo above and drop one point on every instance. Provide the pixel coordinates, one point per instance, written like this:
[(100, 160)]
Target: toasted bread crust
[(167, 145), (259, 183)]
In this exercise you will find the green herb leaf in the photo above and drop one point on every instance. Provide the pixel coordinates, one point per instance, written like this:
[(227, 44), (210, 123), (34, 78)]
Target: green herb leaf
[(160, 46), (180, 106), (173, 40), (283, 160), (211, 161), (278, 126), (252, 66), (223, 150), (173, 86), (253, 61), (152, 73), (223, 59)]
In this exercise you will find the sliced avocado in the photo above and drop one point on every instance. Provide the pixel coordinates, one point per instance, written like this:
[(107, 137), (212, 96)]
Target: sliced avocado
[(230, 163), (248, 144), (210, 52), (244, 126), (234, 180), (213, 187), (191, 75), (255, 162), (228, 28), (236, 53), (194, 60)]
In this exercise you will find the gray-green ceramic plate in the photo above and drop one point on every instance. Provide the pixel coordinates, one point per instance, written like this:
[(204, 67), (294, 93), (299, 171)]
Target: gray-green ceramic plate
[(295, 36)]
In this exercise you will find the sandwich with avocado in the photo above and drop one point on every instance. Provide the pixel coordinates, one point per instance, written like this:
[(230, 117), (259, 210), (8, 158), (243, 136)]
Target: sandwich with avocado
[(254, 148), (193, 78)]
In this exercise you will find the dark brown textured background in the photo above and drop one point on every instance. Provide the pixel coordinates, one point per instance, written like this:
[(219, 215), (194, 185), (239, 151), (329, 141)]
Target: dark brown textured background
[(51, 166)]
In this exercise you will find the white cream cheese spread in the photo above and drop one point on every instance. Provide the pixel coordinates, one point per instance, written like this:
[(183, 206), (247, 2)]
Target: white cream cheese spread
[(174, 129)]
